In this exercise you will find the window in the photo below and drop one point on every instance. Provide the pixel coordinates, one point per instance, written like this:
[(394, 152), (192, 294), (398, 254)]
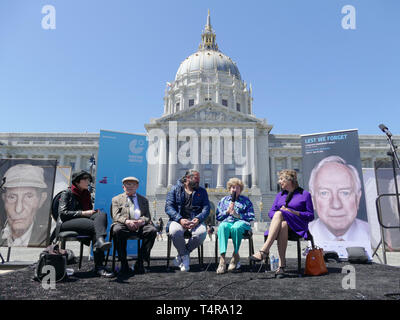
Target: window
[(207, 99), (225, 102), (191, 102), (238, 106)]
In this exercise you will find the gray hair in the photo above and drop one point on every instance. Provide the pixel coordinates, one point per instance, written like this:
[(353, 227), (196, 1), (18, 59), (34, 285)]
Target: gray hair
[(189, 173), (339, 160)]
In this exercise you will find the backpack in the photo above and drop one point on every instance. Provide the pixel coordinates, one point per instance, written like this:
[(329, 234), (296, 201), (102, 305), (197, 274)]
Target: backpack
[(55, 257)]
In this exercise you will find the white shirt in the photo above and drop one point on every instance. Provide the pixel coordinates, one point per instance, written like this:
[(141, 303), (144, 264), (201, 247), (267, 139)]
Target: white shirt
[(358, 231), (22, 241), (357, 235), (134, 210)]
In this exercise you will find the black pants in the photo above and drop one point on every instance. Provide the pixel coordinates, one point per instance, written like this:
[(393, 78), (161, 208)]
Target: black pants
[(147, 233), (94, 226)]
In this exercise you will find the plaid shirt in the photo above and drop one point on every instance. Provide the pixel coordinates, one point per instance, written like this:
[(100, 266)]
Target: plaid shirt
[(243, 207)]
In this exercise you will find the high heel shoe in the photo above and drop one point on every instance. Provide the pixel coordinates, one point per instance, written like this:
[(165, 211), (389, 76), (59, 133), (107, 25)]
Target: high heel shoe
[(280, 273), (221, 267), (263, 256)]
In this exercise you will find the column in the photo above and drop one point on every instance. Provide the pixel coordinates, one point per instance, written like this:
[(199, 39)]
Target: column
[(61, 163), (254, 173), (78, 162), (245, 171), (198, 94), (289, 163), (161, 162), (220, 171), (273, 174), (172, 157)]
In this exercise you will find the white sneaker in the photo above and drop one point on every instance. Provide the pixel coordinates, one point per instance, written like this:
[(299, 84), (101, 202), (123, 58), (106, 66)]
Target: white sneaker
[(177, 261), (185, 263)]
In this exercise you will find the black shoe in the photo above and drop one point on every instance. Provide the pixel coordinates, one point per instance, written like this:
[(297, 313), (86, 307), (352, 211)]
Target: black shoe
[(103, 272), (102, 245), (125, 270), (139, 268), (263, 255)]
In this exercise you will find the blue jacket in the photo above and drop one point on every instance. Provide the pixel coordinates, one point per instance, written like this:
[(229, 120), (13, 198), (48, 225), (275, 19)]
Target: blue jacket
[(176, 200)]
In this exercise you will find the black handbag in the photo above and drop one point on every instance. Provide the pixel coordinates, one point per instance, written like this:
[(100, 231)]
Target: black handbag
[(55, 257)]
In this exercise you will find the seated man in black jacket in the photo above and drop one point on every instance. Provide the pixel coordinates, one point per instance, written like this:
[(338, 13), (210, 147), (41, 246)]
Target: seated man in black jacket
[(75, 213)]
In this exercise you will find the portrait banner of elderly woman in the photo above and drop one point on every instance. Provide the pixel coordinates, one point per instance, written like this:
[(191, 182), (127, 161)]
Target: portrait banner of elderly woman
[(236, 212), (25, 201)]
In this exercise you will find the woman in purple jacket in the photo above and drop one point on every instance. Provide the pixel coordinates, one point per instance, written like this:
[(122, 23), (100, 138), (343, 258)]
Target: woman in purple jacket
[(292, 210)]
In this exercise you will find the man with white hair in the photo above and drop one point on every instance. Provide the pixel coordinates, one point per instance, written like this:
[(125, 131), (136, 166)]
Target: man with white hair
[(335, 187), (23, 196)]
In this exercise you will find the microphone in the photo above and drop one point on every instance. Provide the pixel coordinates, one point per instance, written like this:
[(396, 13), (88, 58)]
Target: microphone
[(385, 129), (233, 199), (233, 195)]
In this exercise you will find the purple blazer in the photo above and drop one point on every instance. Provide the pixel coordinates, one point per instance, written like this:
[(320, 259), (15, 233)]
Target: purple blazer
[(300, 202)]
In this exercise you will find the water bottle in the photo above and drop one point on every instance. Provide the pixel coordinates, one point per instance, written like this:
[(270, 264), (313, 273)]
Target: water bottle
[(272, 262), (276, 263)]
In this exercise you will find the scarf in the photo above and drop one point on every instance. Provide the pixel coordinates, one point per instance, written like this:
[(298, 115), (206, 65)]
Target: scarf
[(84, 197)]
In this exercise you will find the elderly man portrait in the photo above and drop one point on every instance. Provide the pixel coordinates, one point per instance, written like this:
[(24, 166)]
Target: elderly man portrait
[(336, 191), (24, 195), (131, 215)]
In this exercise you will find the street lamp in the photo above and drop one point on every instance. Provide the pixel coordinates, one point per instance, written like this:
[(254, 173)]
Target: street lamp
[(92, 162), (155, 208)]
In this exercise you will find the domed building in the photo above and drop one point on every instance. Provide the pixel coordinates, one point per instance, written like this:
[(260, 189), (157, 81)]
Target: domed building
[(208, 124), (207, 75)]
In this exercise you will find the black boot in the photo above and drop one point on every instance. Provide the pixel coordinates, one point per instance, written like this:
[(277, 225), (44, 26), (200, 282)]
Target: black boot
[(101, 244), (125, 270)]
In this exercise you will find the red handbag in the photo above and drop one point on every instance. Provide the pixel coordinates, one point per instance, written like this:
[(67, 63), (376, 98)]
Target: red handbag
[(315, 263)]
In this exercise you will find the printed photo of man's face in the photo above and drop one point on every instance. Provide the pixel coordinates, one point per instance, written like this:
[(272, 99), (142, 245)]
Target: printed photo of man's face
[(23, 196), (336, 197)]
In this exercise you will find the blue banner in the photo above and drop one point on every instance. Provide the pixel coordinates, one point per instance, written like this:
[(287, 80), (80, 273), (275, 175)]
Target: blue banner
[(120, 155)]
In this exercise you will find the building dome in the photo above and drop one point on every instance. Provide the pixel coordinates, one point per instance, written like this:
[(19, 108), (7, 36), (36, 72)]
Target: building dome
[(208, 61), (207, 76)]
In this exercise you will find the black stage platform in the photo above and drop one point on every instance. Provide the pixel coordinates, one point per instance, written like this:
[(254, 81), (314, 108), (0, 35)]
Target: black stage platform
[(372, 282)]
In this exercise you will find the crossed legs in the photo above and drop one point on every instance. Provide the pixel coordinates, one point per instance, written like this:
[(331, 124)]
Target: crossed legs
[(278, 230)]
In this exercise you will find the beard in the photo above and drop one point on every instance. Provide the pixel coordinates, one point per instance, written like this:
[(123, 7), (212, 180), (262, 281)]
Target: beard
[(193, 184)]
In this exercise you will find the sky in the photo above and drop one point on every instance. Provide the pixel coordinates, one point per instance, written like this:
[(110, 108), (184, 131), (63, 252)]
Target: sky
[(106, 63)]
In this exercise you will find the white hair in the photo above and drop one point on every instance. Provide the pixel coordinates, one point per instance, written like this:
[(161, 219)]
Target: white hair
[(339, 160)]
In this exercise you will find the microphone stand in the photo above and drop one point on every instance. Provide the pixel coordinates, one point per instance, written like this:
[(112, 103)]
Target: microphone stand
[(393, 154), (1, 186), (395, 159)]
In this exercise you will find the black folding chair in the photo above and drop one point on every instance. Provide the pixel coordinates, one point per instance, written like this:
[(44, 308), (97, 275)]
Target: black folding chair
[(64, 236), (132, 237)]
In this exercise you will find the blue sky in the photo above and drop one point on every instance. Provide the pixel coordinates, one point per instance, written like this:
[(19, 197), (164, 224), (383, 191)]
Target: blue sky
[(106, 64)]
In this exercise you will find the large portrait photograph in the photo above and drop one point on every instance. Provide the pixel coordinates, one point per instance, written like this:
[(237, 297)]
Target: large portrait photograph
[(25, 201), (332, 170)]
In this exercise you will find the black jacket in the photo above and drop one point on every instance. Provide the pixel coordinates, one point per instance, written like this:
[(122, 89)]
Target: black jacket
[(69, 206)]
